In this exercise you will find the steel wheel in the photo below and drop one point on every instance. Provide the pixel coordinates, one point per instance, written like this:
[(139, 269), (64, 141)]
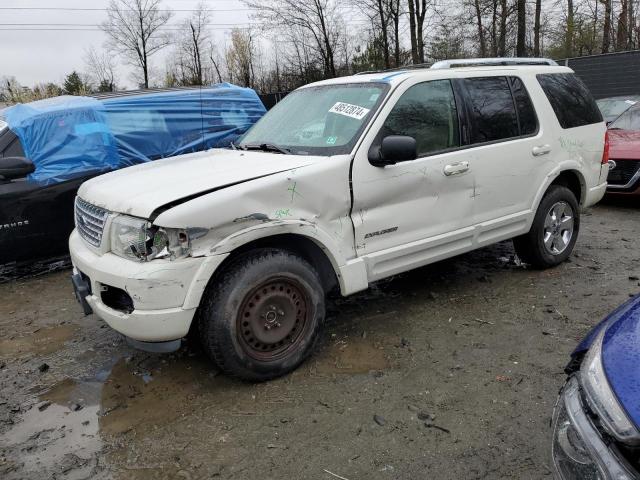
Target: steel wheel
[(558, 228), (272, 319)]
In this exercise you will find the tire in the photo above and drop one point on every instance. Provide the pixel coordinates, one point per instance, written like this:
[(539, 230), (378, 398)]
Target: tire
[(262, 317), (554, 230)]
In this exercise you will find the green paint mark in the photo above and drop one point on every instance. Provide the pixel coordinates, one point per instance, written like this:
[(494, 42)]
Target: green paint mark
[(293, 191), (283, 212)]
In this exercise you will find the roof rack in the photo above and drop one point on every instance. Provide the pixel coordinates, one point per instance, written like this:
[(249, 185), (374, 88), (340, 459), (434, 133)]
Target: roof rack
[(401, 68), (487, 62)]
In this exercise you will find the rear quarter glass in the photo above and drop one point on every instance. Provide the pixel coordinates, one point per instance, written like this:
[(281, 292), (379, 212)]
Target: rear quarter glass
[(570, 99)]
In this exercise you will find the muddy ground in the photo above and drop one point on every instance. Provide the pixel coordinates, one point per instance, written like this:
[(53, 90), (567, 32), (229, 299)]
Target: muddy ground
[(450, 371)]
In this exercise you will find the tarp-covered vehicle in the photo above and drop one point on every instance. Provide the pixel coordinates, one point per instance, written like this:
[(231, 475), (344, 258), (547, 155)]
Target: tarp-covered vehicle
[(49, 147)]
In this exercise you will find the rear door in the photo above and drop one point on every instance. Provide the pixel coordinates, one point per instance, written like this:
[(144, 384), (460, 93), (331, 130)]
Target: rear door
[(507, 150)]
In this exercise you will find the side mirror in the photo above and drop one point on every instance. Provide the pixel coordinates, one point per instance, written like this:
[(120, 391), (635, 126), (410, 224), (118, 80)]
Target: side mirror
[(394, 149), (15, 167)]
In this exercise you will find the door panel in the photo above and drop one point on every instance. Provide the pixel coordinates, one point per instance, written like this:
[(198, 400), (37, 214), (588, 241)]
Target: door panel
[(414, 200), (507, 149)]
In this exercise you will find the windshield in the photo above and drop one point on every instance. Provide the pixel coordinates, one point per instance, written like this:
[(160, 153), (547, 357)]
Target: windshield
[(324, 120), (612, 107), (629, 120)]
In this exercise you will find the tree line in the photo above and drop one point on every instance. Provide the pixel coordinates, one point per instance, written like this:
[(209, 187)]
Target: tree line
[(293, 42)]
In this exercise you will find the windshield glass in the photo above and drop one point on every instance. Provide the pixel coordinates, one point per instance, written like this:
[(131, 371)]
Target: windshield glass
[(629, 120), (324, 120), (612, 107)]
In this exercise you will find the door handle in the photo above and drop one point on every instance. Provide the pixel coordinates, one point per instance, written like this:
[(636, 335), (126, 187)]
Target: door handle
[(541, 150), (456, 168)]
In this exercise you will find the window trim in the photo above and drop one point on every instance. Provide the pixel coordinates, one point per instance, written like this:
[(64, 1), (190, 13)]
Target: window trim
[(467, 103)]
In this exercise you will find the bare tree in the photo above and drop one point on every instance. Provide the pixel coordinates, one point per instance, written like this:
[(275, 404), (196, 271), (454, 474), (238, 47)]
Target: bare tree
[(134, 29), (417, 12), (481, 38), (215, 62), (102, 69), (536, 29), (395, 13), (622, 34), (606, 29), (240, 57), (521, 10), (192, 45), (317, 18), (378, 13)]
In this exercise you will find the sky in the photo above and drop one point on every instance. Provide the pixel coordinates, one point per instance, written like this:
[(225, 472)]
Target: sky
[(33, 54)]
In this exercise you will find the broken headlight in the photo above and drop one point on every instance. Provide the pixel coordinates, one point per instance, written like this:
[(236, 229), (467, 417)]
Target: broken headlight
[(138, 239)]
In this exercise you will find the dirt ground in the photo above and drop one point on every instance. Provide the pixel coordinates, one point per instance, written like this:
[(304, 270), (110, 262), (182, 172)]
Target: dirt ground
[(450, 371)]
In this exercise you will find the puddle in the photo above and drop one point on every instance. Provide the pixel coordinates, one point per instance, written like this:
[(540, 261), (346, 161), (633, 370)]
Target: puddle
[(41, 342), (351, 355), (59, 434)]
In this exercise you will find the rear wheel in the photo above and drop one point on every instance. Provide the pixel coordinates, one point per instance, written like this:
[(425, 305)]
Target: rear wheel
[(554, 231), (261, 319)]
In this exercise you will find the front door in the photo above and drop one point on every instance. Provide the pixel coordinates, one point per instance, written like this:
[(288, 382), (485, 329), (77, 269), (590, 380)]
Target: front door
[(417, 211)]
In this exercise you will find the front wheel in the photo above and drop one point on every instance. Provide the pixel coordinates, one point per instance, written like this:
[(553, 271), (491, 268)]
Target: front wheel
[(262, 317), (554, 230)]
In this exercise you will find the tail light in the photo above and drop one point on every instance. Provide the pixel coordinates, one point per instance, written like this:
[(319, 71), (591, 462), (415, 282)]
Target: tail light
[(605, 152)]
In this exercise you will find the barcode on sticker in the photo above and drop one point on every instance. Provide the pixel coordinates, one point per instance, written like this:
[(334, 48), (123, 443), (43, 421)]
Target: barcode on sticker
[(353, 111)]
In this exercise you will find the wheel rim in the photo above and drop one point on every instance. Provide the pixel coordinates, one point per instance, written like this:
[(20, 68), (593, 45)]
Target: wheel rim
[(558, 228), (273, 318)]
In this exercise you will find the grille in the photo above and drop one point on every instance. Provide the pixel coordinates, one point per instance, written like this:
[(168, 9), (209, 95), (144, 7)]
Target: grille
[(624, 171), (90, 221)]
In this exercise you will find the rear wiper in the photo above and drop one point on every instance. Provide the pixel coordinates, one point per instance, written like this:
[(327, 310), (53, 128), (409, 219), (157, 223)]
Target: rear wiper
[(265, 147)]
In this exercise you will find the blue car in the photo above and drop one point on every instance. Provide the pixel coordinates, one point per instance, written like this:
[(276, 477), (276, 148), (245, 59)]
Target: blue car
[(596, 422)]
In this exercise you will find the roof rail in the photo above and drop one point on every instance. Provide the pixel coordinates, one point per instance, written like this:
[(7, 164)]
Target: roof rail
[(396, 69), (487, 62)]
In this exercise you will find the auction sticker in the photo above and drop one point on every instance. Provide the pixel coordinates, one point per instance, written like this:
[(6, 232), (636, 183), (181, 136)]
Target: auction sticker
[(348, 110)]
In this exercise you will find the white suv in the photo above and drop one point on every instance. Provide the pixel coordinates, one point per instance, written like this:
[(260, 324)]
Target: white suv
[(344, 182)]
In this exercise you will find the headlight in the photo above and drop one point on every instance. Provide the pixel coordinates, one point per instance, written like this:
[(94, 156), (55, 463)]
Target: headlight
[(579, 452), (601, 398), (138, 239), (571, 455)]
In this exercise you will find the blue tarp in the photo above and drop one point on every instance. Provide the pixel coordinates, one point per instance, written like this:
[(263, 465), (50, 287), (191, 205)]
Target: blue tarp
[(69, 136)]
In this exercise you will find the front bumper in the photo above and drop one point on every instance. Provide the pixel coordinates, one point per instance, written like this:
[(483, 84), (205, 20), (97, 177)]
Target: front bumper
[(579, 451), (165, 294)]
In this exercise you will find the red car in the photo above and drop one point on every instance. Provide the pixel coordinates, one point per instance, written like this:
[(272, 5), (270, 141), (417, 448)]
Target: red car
[(624, 154)]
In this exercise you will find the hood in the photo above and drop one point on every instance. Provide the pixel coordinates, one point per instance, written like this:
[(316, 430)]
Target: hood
[(141, 189), (621, 357), (624, 144)]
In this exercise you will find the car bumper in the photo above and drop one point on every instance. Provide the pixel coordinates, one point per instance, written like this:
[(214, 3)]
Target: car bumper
[(595, 194), (164, 293), (633, 191), (578, 449)]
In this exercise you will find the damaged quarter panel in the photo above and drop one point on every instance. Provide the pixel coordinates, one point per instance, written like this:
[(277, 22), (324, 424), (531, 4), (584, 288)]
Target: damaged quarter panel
[(313, 201)]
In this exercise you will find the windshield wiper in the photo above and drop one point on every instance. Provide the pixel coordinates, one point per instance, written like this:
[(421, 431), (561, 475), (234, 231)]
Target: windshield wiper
[(265, 147)]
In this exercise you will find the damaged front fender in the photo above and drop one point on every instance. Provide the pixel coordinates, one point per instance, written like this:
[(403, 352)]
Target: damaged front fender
[(312, 201)]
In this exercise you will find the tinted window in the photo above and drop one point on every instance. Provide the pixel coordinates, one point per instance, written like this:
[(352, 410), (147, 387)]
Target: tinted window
[(526, 114), (571, 101), (493, 115), (426, 112)]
